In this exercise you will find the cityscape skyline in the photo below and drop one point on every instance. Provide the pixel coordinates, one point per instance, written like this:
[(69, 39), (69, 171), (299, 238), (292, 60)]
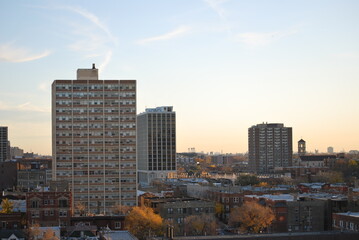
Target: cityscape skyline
[(223, 65)]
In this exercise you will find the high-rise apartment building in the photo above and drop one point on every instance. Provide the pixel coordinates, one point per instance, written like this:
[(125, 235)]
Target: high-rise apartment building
[(4, 154), (269, 146), (94, 140), (156, 144)]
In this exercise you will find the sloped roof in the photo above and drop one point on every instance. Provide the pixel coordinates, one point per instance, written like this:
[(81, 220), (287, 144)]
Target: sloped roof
[(8, 233)]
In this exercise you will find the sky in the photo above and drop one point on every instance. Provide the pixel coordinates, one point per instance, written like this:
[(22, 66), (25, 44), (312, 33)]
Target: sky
[(223, 65)]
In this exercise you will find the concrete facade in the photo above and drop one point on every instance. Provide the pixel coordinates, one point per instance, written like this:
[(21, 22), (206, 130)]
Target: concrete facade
[(156, 135), (94, 140)]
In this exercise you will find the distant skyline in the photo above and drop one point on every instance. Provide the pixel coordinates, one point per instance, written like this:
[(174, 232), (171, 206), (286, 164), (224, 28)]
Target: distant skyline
[(224, 65)]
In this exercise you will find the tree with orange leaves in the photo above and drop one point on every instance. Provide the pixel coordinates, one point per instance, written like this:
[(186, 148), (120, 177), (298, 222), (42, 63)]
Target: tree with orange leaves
[(204, 224), (251, 217), (143, 222)]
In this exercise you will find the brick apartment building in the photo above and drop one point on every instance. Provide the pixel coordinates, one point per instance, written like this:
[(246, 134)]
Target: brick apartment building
[(177, 209), (48, 208), (293, 215), (346, 221)]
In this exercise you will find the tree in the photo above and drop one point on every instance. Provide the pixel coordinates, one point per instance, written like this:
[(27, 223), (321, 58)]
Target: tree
[(143, 222), (219, 209), (49, 234), (251, 217), (34, 232), (81, 208), (199, 225), (330, 177), (7, 206), (245, 180), (122, 209), (262, 184)]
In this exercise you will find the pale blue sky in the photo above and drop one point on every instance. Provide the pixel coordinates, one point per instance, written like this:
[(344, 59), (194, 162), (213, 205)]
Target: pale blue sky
[(223, 65)]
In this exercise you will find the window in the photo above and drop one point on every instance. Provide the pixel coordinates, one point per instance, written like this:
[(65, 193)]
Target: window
[(63, 203), (35, 214), (34, 204), (62, 213), (117, 225), (170, 210), (51, 212), (236, 199)]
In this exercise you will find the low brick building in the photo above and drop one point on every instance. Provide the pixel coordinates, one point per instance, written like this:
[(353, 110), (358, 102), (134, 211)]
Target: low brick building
[(177, 209), (15, 220), (48, 208), (112, 222), (346, 221)]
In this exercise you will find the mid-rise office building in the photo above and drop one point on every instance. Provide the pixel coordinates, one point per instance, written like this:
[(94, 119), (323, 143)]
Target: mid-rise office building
[(269, 146), (4, 146), (156, 136), (94, 140)]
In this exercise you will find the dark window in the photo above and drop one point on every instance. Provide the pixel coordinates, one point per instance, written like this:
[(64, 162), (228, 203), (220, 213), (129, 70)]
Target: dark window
[(63, 203)]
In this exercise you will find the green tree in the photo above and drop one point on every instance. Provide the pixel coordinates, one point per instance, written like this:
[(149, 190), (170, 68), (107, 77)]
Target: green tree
[(245, 180), (143, 222), (330, 177), (7, 206), (251, 217)]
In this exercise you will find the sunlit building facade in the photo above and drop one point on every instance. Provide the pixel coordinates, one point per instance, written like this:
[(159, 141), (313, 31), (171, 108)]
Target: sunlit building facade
[(94, 140)]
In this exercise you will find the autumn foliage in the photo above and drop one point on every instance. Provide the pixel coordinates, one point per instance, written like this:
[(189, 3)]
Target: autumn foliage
[(7, 206), (143, 222), (251, 217), (200, 225)]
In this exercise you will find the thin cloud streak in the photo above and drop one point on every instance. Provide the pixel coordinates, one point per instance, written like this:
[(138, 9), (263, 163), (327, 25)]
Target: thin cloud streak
[(106, 61), (94, 19), (91, 40), (216, 6), (167, 36), (10, 53), (25, 107), (262, 38)]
